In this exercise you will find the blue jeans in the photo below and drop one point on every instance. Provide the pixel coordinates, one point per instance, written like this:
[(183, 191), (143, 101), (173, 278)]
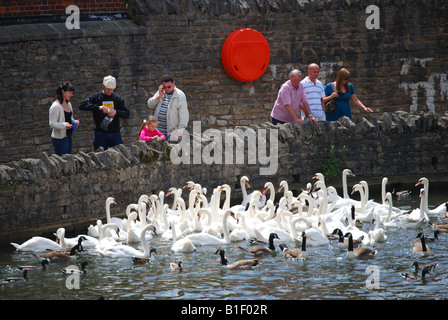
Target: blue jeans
[(62, 146), (106, 140)]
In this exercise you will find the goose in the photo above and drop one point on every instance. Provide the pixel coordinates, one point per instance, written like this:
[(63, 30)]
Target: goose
[(205, 239), (244, 264), (59, 256), (411, 276), (23, 278), (429, 266), (37, 244), (441, 209), (78, 244), (42, 266), (434, 238), (181, 245), (420, 247), (343, 242), (176, 266), (439, 227), (259, 250), (124, 251), (142, 260), (75, 270), (358, 253), (295, 253)]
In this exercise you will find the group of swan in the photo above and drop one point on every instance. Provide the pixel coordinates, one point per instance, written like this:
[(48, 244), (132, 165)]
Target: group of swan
[(306, 217)]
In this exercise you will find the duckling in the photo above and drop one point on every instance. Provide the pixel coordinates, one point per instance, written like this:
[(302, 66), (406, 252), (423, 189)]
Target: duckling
[(71, 270), (43, 266), (420, 246), (343, 242), (57, 256), (295, 253), (358, 253), (429, 267), (244, 264), (258, 250), (24, 278), (145, 260), (176, 266), (411, 276)]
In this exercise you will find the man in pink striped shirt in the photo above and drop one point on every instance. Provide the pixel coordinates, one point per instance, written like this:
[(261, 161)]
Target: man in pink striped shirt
[(290, 96)]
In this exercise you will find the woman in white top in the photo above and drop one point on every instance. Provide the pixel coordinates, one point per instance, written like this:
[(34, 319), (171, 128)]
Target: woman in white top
[(61, 119)]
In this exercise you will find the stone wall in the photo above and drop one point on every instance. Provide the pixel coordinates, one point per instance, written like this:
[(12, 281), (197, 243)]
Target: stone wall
[(400, 66), (38, 195)]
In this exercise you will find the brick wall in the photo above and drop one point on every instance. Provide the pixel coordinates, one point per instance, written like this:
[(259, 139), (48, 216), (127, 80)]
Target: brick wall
[(26, 8)]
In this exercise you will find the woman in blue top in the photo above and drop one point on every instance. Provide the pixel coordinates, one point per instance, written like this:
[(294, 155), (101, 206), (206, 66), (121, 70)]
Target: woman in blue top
[(344, 93)]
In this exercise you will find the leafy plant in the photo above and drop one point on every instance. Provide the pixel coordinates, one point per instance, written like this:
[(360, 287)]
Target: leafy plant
[(329, 161)]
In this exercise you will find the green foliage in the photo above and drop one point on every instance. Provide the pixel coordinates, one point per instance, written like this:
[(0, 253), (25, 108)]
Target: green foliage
[(330, 160)]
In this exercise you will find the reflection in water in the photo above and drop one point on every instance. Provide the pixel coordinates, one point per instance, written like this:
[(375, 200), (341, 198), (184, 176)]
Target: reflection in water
[(325, 275)]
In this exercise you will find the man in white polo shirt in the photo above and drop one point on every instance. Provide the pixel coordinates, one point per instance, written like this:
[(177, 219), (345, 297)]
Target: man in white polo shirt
[(314, 91)]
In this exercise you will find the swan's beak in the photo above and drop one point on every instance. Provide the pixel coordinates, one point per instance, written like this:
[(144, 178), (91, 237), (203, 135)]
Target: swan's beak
[(265, 190), (280, 189), (247, 184)]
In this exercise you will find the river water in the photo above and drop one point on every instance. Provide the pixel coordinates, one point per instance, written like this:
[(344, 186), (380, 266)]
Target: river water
[(326, 274)]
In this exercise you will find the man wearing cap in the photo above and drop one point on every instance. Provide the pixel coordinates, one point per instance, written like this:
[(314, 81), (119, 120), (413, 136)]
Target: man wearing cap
[(107, 108)]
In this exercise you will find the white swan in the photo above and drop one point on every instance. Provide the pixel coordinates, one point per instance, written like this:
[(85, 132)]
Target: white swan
[(441, 209), (363, 215), (93, 230), (345, 174), (125, 251), (244, 181), (38, 244), (89, 242), (408, 221), (205, 239), (241, 233)]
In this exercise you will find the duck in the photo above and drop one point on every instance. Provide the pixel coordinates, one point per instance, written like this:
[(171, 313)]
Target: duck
[(259, 250), (244, 264), (412, 276), (23, 278), (61, 256), (42, 266), (141, 260), (358, 253), (295, 253), (401, 194), (429, 266), (421, 247), (176, 266), (75, 270)]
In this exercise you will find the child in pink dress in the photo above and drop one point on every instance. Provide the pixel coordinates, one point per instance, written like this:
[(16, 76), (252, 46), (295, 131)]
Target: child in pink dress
[(148, 130)]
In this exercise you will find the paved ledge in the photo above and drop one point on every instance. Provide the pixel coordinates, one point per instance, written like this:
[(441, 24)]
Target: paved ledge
[(46, 31)]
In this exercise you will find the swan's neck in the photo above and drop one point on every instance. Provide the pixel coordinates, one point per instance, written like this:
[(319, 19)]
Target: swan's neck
[(243, 189), (226, 227), (344, 186), (108, 212), (226, 205)]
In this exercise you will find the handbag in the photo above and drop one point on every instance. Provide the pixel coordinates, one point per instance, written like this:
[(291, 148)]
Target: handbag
[(330, 106)]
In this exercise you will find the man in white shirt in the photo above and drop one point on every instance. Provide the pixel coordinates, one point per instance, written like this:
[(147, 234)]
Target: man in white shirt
[(314, 91)]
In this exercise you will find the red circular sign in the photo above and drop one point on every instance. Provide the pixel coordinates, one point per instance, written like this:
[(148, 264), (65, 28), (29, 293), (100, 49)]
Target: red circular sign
[(245, 55)]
